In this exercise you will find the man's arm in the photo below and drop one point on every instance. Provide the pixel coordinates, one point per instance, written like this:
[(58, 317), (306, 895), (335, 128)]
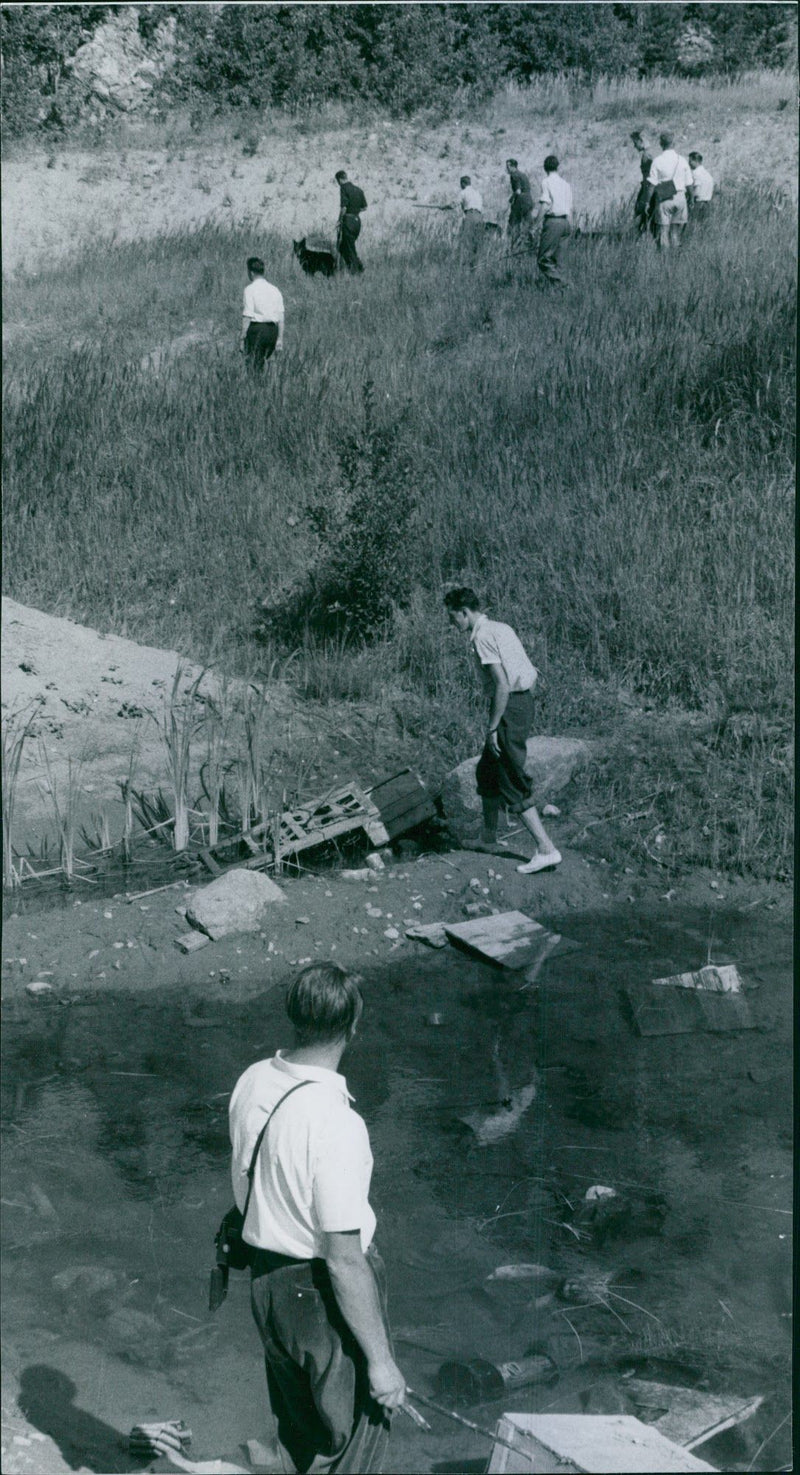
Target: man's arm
[(279, 344), (246, 321), (357, 1297), (500, 694)]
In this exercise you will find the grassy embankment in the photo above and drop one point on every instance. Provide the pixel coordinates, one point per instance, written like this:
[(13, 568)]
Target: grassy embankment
[(612, 468)]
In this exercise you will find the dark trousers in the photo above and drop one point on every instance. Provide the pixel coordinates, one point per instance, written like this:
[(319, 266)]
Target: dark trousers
[(519, 223), (316, 1371), (259, 343), (699, 210), (555, 229), (504, 777), (349, 232)]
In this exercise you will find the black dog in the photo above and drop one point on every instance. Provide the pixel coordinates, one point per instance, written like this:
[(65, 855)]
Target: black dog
[(316, 260)]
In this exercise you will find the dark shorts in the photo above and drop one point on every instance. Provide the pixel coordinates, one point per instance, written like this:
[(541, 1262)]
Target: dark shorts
[(504, 777), (316, 1371)]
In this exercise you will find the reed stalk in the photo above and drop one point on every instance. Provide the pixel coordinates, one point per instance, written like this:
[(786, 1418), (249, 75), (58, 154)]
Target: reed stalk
[(16, 732), (65, 808), (179, 726)]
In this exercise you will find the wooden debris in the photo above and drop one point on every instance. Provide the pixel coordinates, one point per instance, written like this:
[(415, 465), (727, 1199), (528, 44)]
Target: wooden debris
[(582, 1444), (716, 978), (681, 1011), (509, 939), (687, 1415), (403, 802), (189, 942)]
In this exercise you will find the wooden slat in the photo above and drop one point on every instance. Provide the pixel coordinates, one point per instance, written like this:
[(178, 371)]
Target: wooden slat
[(681, 1011)]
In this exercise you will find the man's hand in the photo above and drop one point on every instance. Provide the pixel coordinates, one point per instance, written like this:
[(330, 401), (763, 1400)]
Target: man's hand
[(386, 1383), (492, 741), (241, 345)]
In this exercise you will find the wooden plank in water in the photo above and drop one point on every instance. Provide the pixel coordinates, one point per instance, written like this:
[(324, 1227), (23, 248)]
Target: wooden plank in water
[(584, 1444), (688, 1415), (509, 939), (683, 1011)]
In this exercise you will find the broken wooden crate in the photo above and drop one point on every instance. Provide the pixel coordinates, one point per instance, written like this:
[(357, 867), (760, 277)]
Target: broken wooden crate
[(391, 808), (508, 939), (582, 1444), (688, 1415), (682, 1011)]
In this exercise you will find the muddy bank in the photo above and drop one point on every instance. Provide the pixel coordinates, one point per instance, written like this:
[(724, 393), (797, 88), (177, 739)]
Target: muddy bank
[(114, 1112)]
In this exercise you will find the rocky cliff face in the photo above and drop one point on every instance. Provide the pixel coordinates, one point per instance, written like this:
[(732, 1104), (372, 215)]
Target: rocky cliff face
[(118, 68)]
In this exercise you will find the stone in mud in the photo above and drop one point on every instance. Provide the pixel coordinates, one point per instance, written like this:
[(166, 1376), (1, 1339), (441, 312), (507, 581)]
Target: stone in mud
[(551, 763), (235, 902)]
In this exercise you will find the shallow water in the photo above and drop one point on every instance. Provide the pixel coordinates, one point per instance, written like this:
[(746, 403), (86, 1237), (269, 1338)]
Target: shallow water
[(116, 1175)]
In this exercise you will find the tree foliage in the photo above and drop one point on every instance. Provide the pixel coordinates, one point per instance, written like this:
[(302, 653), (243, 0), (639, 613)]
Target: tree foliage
[(400, 57)]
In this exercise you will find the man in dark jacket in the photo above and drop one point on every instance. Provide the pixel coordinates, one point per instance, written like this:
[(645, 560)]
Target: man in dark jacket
[(351, 202), (520, 211)]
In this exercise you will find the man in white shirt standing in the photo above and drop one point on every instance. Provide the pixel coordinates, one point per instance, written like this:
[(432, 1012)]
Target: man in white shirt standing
[(671, 177), (701, 189), (262, 316), (318, 1283), (508, 679), (555, 207)]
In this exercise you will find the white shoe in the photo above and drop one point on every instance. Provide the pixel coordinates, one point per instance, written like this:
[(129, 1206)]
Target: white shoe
[(541, 862)]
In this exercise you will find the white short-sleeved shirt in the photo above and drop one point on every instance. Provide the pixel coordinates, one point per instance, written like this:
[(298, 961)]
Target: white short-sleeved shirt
[(702, 183), (314, 1165), (556, 195), (263, 303), (671, 165), (471, 198), (496, 644)]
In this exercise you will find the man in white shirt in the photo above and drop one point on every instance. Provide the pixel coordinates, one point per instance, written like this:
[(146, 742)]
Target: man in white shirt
[(262, 316), (470, 198), (670, 168), (318, 1283), (508, 679), (555, 208), (701, 189)]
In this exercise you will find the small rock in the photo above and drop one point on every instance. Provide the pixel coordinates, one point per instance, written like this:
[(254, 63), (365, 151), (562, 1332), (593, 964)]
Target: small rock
[(475, 884), (375, 861), (431, 933), (552, 811), (39, 987), (302, 921), (476, 909), (714, 885), (598, 1191), (363, 874), (392, 933), (373, 911)]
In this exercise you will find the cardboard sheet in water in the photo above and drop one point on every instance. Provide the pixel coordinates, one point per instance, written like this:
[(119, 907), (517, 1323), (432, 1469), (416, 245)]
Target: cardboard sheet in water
[(683, 1011)]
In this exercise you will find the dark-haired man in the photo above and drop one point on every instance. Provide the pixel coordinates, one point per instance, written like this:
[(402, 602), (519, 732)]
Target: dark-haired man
[(352, 201), (520, 211), (262, 316), (508, 679), (670, 177), (318, 1285), (701, 189)]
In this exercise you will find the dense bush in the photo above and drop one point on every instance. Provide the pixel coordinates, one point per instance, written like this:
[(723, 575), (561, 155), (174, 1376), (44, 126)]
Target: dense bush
[(403, 57)]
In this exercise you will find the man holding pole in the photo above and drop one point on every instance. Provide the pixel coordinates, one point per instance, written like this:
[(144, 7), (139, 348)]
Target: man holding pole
[(318, 1283)]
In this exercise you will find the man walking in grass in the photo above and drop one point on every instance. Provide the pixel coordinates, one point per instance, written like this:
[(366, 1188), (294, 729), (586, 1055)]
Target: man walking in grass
[(317, 1281), (701, 188), (670, 177), (262, 316), (352, 201), (520, 211), (555, 205), (509, 679)]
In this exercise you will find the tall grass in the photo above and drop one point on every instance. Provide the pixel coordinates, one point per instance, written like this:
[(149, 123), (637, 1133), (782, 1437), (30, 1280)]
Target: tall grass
[(613, 468)]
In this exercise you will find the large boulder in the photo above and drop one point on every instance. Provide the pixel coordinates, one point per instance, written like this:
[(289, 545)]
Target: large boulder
[(118, 67), (550, 764), (236, 902)]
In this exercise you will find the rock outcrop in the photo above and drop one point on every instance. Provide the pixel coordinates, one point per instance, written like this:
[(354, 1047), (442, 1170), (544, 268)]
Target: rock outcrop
[(118, 68)]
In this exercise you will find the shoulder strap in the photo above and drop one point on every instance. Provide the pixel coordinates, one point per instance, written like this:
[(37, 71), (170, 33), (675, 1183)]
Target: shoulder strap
[(260, 1138)]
